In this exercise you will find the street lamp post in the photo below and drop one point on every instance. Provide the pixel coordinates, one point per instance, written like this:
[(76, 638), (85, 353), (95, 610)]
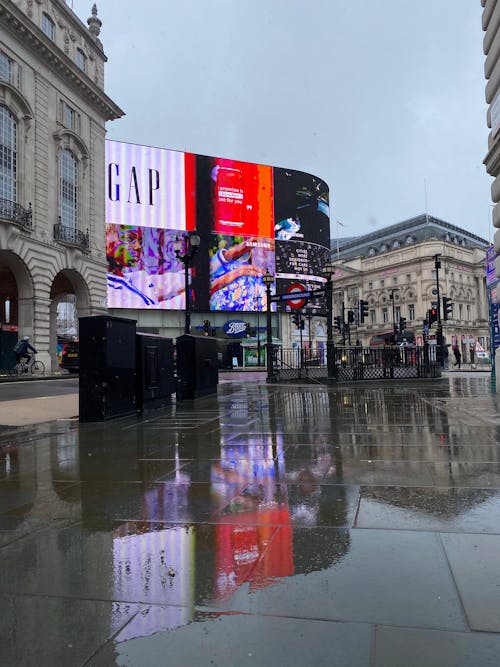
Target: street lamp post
[(439, 333), (259, 299), (185, 249), (328, 271), (391, 297), (268, 280)]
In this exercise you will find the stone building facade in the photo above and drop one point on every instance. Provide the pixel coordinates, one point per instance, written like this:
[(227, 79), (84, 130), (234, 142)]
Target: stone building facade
[(53, 111), (393, 269), (491, 48)]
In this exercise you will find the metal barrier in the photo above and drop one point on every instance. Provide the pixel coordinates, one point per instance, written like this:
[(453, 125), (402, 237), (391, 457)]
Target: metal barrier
[(357, 363)]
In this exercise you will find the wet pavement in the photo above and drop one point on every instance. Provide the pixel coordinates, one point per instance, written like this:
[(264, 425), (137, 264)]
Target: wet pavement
[(357, 525)]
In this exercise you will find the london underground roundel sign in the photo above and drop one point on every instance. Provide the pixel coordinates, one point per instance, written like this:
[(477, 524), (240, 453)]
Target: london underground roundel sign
[(296, 303)]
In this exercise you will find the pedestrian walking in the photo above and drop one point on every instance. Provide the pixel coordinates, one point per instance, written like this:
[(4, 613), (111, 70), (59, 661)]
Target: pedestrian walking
[(458, 356), (445, 357)]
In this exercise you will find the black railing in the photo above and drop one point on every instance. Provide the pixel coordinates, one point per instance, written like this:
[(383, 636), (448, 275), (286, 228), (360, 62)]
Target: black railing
[(358, 363), (71, 236), (14, 212)]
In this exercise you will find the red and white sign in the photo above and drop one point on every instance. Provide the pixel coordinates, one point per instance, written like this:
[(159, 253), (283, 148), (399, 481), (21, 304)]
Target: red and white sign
[(296, 303)]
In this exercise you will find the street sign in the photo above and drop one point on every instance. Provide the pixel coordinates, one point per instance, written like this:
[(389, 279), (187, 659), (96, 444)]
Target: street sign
[(296, 288), (291, 297)]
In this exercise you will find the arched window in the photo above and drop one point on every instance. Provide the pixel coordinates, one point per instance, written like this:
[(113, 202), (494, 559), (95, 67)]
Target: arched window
[(68, 189), (81, 60), (8, 155), (48, 26)]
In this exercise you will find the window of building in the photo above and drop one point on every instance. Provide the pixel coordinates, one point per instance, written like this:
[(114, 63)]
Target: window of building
[(373, 318), (408, 277), (370, 285), (69, 117), (48, 26), (5, 67), (385, 315), (395, 280), (81, 60), (460, 311), (469, 318), (396, 244), (68, 189), (397, 313), (382, 283), (411, 311), (433, 274), (8, 155)]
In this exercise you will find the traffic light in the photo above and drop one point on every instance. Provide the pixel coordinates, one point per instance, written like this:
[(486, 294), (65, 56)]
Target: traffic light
[(402, 324), (338, 323), (363, 310), (296, 320), (432, 315), (447, 307), (350, 316), (302, 323), (206, 327)]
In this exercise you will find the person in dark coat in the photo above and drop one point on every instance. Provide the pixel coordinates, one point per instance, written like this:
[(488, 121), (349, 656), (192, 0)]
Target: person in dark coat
[(458, 356)]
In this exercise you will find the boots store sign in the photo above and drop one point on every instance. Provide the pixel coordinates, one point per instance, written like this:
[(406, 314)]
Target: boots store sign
[(235, 328)]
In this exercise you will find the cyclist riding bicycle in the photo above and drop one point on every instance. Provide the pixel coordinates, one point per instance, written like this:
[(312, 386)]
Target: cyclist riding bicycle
[(24, 350)]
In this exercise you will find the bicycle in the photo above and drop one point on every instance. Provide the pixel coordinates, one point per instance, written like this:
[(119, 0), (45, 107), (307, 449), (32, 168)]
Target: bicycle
[(31, 365)]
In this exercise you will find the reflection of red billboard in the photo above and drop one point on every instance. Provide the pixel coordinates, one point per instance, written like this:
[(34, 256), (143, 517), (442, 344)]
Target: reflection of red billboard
[(256, 550), (242, 198)]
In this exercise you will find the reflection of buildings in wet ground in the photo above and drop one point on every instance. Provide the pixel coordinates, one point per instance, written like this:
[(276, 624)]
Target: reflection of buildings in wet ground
[(168, 513)]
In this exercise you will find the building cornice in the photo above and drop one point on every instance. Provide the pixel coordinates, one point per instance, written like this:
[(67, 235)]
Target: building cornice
[(71, 17), (24, 30)]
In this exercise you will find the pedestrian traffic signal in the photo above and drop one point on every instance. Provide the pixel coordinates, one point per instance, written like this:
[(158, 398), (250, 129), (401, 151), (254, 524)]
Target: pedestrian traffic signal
[(350, 316), (447, 307), (402, 324), (206, 327), (363, 310), (338, 323), (432, 315), (297, 320)]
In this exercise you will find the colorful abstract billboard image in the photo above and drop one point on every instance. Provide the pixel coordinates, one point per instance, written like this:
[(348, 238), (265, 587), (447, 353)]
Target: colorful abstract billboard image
[(143, 271), (237, 265)]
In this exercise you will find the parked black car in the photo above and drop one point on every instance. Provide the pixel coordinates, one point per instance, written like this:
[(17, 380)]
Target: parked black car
[(70, 358)]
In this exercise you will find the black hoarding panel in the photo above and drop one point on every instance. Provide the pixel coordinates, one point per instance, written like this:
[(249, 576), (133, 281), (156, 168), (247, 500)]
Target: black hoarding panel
[(155, 371), (197, 366), (107, 368)]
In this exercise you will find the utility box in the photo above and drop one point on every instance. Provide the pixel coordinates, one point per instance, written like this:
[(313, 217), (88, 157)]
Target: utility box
[(8, 340), (155, 371), (197, 366), (107, 368)]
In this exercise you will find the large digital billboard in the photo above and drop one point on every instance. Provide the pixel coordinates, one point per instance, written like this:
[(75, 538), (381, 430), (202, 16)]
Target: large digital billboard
[(250, 218)]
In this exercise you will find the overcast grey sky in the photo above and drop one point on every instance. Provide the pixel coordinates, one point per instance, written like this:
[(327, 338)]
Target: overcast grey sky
[(383, 99)]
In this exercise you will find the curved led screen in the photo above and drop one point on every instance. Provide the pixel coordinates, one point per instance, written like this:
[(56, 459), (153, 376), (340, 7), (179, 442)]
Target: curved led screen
[(250, 218)]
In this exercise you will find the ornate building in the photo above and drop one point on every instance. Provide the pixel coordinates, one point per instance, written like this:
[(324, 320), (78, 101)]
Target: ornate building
[(394, 270), (491, 47), (53, 111)]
